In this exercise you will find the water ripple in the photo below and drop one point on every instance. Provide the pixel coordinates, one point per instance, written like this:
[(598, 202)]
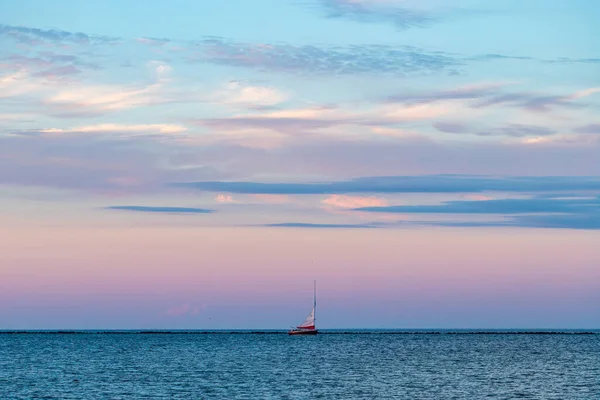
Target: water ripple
[(232, 366)]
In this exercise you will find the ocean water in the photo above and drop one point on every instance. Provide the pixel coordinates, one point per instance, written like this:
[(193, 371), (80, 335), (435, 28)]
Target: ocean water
[(277, 366)]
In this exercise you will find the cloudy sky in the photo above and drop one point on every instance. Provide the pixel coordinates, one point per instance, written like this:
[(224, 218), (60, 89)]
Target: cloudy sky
[(196, 164)]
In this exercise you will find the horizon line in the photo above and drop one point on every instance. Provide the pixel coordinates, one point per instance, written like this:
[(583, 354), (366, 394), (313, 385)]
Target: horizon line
[(522, 331)]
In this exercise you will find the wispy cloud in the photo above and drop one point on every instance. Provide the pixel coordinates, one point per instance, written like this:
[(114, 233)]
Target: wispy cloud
[(117, 129), (80, 99), (47, 64), (18, 83), (308, 60), (537, 102), (408, 184), (509, 130), (494, 57), (34, 36), (57, 72), (321, 60), (567, 60), (39, 91), (564, 221), (103, 98), (168, 210), (470, 92), (378, 11), (505, 57), (487, 95), (298, 121)]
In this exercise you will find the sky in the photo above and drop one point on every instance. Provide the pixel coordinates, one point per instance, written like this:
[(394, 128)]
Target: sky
[(197, 164)]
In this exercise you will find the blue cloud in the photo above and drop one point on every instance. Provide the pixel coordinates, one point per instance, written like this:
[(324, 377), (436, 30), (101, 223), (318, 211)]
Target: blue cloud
[(560, 60), (530, 101), (567, 221), (570, 221), (322, 60), (502, 206), (587, 221), (566, 60), (307, 60), (33, 36), (408, 184), (511, 130), (518, 130), (538, 212), (400, 17), (171, 210), (494, 57)]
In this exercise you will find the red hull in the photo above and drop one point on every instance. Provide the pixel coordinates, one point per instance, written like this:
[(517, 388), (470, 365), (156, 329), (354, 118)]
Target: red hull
[(303, 332)]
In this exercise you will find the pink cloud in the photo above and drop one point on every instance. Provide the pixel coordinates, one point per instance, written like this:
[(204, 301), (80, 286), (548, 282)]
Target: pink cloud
[(342, 201), (121, 128), (224, 198), (343, 205), (237, 94)]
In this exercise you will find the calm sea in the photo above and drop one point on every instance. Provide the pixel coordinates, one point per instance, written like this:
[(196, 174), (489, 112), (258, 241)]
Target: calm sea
[(276, 366)]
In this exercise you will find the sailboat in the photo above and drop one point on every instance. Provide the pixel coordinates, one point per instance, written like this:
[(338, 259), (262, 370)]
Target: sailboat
[(308, 326)]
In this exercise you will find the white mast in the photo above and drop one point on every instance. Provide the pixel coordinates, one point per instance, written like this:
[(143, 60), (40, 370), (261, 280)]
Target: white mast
[(315, 302)]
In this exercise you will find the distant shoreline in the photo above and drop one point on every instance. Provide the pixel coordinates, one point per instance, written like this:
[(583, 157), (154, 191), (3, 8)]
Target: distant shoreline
[(283, 332)]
